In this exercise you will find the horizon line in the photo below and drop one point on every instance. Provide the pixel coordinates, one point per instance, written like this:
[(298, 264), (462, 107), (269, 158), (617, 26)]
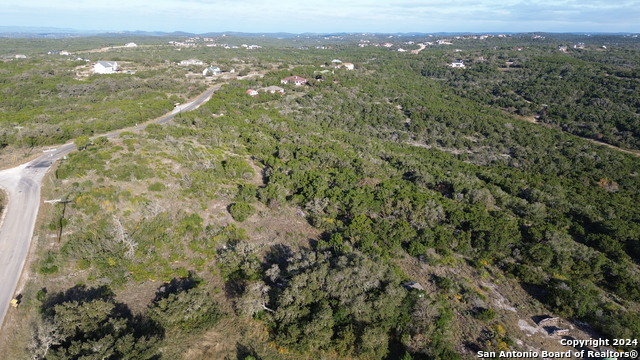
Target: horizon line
[(8, 29)]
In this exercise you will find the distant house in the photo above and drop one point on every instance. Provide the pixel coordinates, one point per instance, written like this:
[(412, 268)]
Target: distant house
[(20, 56), (457, 64), (252, 92), (349, 66), (131, 44), (563, 48), (211, 70), (272, 89), (105, 67), (191, 62), (64, 53), (295, 80), (336, 61)]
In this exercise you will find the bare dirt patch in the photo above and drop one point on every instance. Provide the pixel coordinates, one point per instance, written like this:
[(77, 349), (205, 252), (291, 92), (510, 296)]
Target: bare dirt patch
[(11, 157), (417, 51)]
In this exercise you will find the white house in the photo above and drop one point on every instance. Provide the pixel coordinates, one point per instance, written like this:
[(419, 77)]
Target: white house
[(191, 62), (211, 70), (457, 64), (131, 44), (295, 80), (272, 89), (349, 66), (105, 67)]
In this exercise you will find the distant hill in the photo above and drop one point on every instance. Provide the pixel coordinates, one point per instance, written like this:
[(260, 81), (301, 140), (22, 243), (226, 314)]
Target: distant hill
[(53, 32), (42, 32)]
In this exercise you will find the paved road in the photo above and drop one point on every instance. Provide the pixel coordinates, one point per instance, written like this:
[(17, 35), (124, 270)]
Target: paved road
[(22, 186)]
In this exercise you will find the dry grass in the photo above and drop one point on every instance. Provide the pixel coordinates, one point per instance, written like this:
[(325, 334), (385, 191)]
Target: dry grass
[(11, 156)]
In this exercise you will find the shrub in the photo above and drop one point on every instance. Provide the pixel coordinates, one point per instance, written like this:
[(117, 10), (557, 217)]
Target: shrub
[(48, 264), (237, 168), (82, 142), (157, 186), (443, 283), (184, 304), (241, 211), (484, 314), (246, 193)]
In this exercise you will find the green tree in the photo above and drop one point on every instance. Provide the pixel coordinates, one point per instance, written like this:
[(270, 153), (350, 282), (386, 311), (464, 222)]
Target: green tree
[(240, 211), (82, 142), (88, 323), (185, 305)]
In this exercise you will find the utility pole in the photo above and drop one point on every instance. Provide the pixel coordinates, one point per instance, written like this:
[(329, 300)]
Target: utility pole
[(19, 134), (64, 203), (64, 209)]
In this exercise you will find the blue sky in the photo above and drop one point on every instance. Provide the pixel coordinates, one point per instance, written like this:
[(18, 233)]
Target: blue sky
[(327, 16)]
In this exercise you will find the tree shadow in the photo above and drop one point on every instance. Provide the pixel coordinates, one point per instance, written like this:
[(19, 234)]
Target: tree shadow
[(78, 293), (242, 352), (177, 285), (278, 254), (538, 292), (234, 288)]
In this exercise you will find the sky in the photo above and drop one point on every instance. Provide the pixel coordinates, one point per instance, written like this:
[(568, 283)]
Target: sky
[(326, 16)]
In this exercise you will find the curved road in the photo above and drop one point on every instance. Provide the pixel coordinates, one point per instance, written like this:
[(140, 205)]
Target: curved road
[(22, 186)]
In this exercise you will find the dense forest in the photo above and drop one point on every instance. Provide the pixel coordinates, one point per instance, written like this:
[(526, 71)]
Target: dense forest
[(592, 95), (366, 214)]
